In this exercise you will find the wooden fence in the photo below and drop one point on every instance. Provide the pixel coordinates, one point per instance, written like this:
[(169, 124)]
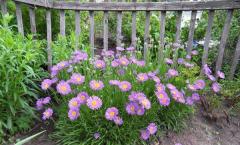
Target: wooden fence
[(134, 7)]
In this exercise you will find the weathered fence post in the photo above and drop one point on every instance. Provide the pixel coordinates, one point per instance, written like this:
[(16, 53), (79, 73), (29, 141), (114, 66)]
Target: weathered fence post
[(49, 38), (134, 37), (105, 29), (162, 33), (32, 19), (235, 60), (91, 13), (19, 18), (62, 22), (77, 26), (4, 6), (119, 27)]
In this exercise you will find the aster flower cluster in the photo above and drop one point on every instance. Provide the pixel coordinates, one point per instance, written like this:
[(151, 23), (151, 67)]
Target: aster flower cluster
[(40, 103), (150, 130), (112, 114)]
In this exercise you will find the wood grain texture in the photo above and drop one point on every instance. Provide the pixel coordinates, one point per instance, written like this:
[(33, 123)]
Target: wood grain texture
[(223, 40), (32, 20), (146, 35), (62, 22), (207, 37), (178, 27), (19, 18), (134, 35), (77, 27), (49, 38), (3, 6), (105, 30), (119, 27), (235, 60), (162, 33), (191, 32), (91, 13)]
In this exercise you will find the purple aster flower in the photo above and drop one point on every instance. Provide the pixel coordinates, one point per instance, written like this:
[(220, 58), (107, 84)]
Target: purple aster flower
[(62, 65), (114, 82), (191, 87), (189, 101), (206, 69), (63, 88), (79, 56), (178, 96), (151, 74), (96, 85), (124, 61), (156, 79), (118, 120), (140, 111), (199, 84), (142, 77), (140, 96), (171, 86), (94, 102), (163, 98), (140, 63), (82, 97), (96, 135), (145, 103), (99, 64), (211, 77), (159, 87), (111, 113), (221, 74), (172, 73), (73, 114), (115, 63), (180, 61), (46, 100), (39, 104), (108, 53), (131, 108), (54, 70), (77, 79), (121, 72), (47, 113), (130, 49), (120, 48), (152, 128), (194, 52), (145, 134), (168, 61), (132, 96), (46, 84), (133, 59), (216, 87), (74, 103), (125, 86), (189, 65), (195, 97), (188, 57)]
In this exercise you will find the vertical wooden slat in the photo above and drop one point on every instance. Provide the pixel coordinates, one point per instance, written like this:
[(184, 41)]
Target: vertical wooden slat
[(77, 26), (162, 33), (207, 37), (105, 29), (4, 7), (191, 32), (32, 20), (223, 40), (62, 22), (49, 38), (91, 13), (19, 18), (178, 26), (134, 37), (235, 60), (146, 34), (119, 27)]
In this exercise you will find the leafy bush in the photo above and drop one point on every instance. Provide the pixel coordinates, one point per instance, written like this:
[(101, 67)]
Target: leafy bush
[(20, 69), (83, 118)]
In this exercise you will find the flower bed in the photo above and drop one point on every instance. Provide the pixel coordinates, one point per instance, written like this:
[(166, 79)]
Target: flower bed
[(119, 99)]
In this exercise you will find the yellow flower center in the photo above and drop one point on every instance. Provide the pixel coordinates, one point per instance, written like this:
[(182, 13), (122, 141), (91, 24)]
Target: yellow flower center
[(112, 114), (141, 78), (82, 97), (99, 65), (47, 114), (144, 102), (74, 103), (132, 108), (161, 96), (159, 88), (63, 88), (124, 62), (74, 113), (124, 86), (45, 86), (96, 85), (79, 79), (94, 103)]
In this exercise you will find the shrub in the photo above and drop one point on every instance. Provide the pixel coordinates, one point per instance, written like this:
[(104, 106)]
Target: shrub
[(20, 69), (113, 98)]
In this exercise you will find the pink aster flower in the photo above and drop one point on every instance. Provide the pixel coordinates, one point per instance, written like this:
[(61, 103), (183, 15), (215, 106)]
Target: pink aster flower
[(194, 52), (131, 108), (130, 49), (195, 97), (46, 100), (188, 65), (171, 86), (94, 102), (111, 113), (46, 84), (145, 103), (145, 134), (63, 88), (73, 114), (221, 74), (47, 113), (96, 135), (77, 79), (142, 77), (39, 104), (118, 120), (115, 63), (120, 48), (114, 82), (74, 103), (168, 61), (124, 61), (121, 72), (172, 73), (188, 57), (178, 96), (151, 74), (140, 63), (189, 101), (96, 85), (82, 97), (206, 69), (140, 111), (125, 86), (216, 87), (108, 53), (180, 61), (192, 87), (200, 84), (163, 98), (211, 77), (152, 128), (99, 64), (159, 87), (62, 65), (156, 79)]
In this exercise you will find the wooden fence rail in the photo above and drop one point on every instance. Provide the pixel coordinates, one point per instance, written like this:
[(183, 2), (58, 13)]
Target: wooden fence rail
[(134, 7)]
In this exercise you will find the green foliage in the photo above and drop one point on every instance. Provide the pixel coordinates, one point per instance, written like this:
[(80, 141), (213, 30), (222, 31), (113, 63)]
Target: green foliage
[(20, 68)]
